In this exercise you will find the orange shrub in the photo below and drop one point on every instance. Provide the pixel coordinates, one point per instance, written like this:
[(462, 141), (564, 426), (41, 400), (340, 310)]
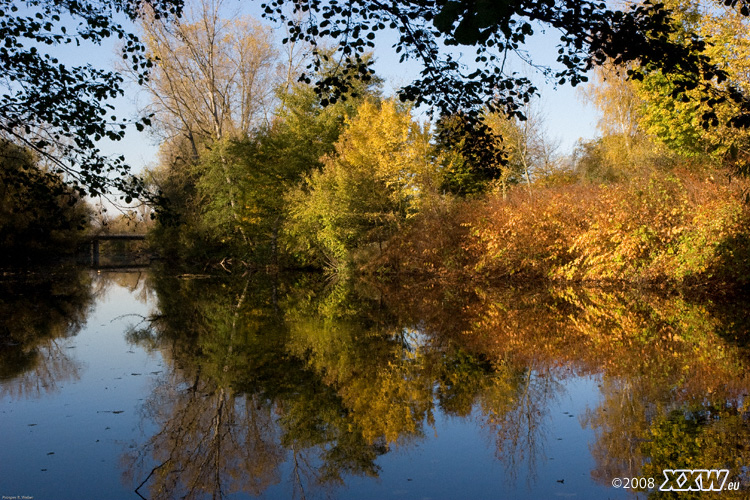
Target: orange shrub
[(528, 236), (630, 225), (431, 243), (662, 227)]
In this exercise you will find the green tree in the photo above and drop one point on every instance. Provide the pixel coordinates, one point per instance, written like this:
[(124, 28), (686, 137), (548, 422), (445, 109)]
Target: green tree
[(657, 107), (277, 157), (471, 158), (213, 81), (262, 165), (380, 173)]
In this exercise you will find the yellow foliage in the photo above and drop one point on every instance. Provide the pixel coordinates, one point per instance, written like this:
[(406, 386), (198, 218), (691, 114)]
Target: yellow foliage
[(661, 227)]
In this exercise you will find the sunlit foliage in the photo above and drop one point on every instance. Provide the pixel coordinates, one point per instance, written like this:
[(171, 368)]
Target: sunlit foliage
[(674, 117), (377, 178), (673, 228)]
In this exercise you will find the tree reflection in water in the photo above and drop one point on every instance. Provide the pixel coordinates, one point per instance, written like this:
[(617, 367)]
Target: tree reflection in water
[(37, 313), (295, 380)]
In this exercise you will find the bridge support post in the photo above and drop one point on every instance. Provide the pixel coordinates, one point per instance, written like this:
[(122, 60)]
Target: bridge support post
[(95, 252)]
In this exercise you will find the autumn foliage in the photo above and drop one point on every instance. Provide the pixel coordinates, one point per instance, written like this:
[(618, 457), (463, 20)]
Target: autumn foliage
[(655, 228)]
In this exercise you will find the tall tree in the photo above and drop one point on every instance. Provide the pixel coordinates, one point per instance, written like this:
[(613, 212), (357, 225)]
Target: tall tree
[(214, 76), (675, 116), (262, 167), (616, 99), (213, 82), (529, 150), (623, 146), (654, 107)]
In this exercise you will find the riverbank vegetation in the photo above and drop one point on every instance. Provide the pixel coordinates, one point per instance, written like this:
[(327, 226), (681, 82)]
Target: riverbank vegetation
[(674, 226), (356, 184), (262, 169)]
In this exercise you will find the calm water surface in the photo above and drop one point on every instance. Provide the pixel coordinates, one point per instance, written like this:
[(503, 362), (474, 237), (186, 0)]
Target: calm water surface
[(142, 385)]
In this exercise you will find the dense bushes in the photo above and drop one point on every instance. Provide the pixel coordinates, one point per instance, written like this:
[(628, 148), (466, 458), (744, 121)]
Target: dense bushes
[(660, 227)]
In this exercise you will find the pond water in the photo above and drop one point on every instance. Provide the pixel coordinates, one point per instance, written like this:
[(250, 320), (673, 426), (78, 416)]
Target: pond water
[(143, 385)]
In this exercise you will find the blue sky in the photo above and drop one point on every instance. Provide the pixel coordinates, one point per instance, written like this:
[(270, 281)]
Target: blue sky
[(566, 117)]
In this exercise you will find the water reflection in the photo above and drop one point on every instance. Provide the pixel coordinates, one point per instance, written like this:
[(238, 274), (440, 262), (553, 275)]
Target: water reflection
[(309, 383), (237, 403), (37, 316), (673, 371)]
